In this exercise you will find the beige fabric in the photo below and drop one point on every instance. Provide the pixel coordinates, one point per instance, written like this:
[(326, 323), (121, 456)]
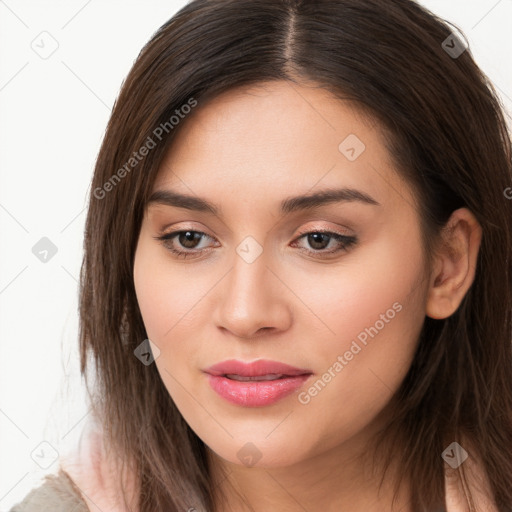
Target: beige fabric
[(56, 494)]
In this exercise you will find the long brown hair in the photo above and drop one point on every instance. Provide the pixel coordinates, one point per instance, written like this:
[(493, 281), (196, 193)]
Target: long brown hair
[(445, 130)]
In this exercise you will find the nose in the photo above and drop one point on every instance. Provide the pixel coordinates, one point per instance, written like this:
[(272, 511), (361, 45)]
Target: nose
[(252, 300)]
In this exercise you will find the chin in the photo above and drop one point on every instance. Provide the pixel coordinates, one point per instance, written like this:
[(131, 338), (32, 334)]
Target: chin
[(259, 452)]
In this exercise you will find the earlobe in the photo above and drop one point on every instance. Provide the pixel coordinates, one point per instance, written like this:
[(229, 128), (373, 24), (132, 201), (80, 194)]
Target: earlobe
[(454, 264)]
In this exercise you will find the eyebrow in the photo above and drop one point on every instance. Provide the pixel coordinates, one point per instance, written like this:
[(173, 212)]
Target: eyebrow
[(288, 205)]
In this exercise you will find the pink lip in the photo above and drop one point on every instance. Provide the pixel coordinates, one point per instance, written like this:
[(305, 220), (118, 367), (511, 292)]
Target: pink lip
[(255, 393), (254, 369)]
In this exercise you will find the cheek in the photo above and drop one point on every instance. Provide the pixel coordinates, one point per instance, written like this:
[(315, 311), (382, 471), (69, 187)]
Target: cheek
[(150, 291), (164, 294), (165, 302), (375, 314), (347, 301)]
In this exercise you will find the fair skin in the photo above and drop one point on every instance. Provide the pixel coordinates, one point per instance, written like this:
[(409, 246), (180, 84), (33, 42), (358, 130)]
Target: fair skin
[(246, 151)]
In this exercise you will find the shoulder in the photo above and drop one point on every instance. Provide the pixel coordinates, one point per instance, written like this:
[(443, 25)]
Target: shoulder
[(57, 493)]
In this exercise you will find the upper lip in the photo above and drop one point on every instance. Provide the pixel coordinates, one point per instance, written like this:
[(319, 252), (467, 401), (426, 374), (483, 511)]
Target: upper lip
[(255, 368)]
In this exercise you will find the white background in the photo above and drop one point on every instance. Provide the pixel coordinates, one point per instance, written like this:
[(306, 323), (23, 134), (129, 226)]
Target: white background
[(53, 115)]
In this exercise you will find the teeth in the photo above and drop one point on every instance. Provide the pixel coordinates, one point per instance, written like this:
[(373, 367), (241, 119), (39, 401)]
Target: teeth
[(270, 376)]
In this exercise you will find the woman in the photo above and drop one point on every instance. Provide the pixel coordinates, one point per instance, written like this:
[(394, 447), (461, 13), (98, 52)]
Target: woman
[(297, 285)]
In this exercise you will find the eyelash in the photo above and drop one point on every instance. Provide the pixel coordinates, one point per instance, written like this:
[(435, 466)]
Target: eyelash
[(346, 242)]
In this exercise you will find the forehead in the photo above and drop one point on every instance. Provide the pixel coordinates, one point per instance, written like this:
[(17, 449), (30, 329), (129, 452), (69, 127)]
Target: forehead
[(279, 139)]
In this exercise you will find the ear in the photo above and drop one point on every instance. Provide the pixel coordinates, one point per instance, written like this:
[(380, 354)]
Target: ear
[(454, 264)]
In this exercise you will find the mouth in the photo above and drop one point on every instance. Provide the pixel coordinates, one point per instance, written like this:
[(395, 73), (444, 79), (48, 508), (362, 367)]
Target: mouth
[(257, 384)]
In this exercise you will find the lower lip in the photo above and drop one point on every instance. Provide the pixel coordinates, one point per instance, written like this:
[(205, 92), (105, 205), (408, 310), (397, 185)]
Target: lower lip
[(255, 393)]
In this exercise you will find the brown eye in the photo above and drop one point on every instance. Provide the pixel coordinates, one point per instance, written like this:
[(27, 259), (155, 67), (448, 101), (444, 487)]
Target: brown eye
[(186, 239), (320, 240)]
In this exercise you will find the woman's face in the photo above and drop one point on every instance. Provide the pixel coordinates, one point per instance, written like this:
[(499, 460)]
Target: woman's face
[(347, 312)]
